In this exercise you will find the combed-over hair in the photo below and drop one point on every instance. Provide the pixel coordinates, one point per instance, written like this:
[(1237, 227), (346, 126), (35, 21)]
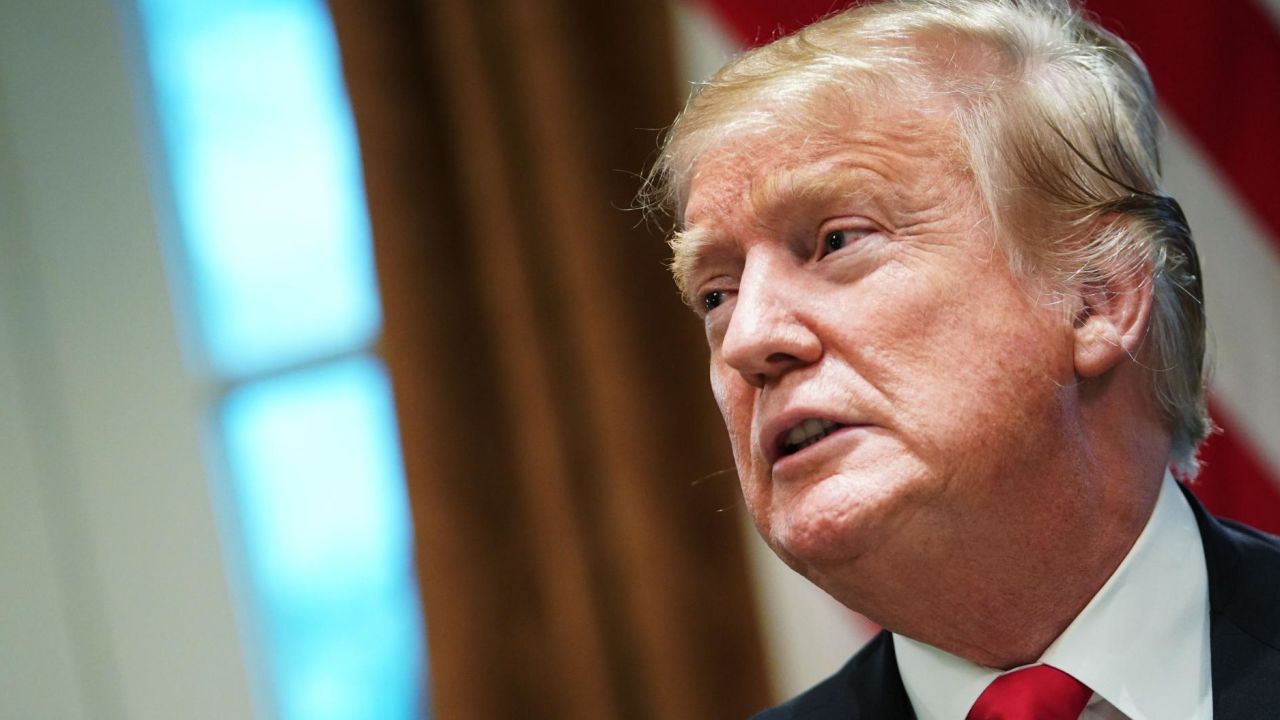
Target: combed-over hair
[(1056, 122)]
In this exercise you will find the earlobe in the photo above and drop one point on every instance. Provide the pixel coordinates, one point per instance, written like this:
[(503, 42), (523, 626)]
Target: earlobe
[(1111, 323)]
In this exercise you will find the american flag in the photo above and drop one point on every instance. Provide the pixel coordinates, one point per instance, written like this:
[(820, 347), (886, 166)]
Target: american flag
[(1216, 67)]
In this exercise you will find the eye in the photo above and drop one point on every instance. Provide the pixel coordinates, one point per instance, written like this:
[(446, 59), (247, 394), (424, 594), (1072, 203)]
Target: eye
[(837, 239), (840, 238), (712, 300), (834, 240)]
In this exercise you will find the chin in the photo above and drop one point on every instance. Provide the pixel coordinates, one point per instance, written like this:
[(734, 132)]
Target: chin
[(829, 523)]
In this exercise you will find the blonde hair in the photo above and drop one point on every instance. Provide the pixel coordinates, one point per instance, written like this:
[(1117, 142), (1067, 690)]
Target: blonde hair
[(1056, 123)]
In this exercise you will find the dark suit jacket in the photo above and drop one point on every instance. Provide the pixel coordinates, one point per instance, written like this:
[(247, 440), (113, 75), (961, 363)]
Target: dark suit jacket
[(1244, 637)]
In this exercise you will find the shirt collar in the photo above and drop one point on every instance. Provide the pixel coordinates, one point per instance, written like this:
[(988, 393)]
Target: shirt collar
[(1141, 644)]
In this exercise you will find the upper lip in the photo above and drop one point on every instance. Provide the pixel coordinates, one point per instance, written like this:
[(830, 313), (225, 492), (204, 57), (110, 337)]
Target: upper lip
[(774, 432)]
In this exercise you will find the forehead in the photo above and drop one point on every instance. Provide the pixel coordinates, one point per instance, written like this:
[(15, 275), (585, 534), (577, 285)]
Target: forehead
[(888, 143), (876, 157)]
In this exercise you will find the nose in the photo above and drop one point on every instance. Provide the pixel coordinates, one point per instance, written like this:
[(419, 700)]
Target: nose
[(770, 333)]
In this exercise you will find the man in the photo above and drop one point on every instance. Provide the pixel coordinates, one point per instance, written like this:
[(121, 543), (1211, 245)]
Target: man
[(957, 339)]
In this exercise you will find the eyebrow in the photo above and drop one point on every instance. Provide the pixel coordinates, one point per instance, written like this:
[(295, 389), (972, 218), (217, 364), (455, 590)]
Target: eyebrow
[(688, 247), (779, 194), (814, 187)]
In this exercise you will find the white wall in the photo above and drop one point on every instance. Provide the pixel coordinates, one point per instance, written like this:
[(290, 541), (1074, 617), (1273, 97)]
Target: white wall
[(113, 602), (37, 667)]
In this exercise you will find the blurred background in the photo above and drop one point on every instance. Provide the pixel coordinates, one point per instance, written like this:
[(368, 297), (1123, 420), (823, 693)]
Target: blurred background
[(339, 377)]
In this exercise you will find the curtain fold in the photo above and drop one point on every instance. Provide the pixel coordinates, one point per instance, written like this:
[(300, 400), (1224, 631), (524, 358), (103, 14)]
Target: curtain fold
[(578, 520)]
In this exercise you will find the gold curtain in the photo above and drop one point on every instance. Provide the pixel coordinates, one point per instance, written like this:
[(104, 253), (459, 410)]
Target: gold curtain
[(567, 470)]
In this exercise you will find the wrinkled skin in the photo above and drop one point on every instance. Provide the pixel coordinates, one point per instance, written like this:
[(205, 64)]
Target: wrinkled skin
[(858, 280)]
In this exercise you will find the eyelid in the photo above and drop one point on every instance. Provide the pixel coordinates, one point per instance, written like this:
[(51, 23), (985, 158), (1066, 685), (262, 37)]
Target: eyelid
[(851, 223)]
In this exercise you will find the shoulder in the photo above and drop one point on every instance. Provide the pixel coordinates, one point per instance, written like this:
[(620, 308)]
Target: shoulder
[(1244, 616), (1243, 565), (1250, 538), (868, 686), (1244, 576)]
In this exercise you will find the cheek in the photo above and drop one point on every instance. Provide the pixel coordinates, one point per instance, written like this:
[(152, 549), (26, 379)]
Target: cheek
[(735, 407), (736, 400), (957, 360)]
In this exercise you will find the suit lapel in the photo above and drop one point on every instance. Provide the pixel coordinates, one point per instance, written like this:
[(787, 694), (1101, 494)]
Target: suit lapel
[(885, 691), (870, 686)]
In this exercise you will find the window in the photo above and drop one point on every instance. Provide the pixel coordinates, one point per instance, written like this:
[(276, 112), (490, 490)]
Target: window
[(277, 277)]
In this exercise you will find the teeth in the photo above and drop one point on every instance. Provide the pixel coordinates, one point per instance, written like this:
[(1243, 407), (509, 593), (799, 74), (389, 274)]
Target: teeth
[(807, 433)]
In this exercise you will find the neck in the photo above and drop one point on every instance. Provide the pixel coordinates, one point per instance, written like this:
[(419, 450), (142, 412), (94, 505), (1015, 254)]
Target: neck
[(1008, 616), (1003, 611), (1000, 597)]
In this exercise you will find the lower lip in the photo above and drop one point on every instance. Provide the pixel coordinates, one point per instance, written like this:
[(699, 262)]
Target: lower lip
[(817, 450)]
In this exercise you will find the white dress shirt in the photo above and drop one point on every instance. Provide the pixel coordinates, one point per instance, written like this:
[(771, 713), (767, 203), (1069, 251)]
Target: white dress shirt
[(1141, 644)]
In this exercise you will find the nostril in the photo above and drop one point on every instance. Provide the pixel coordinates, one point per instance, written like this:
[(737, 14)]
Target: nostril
[(758, 374), (764, 341)]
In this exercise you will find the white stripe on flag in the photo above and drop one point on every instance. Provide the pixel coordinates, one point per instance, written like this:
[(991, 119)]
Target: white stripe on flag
[(1241, 267)]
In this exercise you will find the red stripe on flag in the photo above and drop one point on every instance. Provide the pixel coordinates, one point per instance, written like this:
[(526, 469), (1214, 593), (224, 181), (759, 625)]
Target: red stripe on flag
[(756, 22), (1216, 66), (1235, 480)]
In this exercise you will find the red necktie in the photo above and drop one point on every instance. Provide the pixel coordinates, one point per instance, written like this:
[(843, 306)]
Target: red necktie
[(1039, 692)]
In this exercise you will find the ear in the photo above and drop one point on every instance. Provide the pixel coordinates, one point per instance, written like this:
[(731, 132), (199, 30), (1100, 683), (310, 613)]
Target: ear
[(1111, 322)]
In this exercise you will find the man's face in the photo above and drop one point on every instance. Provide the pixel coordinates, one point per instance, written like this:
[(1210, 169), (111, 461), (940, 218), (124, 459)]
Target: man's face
[(889, 386)]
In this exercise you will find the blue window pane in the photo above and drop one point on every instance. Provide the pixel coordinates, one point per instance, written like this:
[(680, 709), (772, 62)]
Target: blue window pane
[(266, 176), (320, 492)]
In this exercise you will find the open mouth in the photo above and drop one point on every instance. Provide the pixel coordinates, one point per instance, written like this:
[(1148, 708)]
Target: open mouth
[(805, 434)]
